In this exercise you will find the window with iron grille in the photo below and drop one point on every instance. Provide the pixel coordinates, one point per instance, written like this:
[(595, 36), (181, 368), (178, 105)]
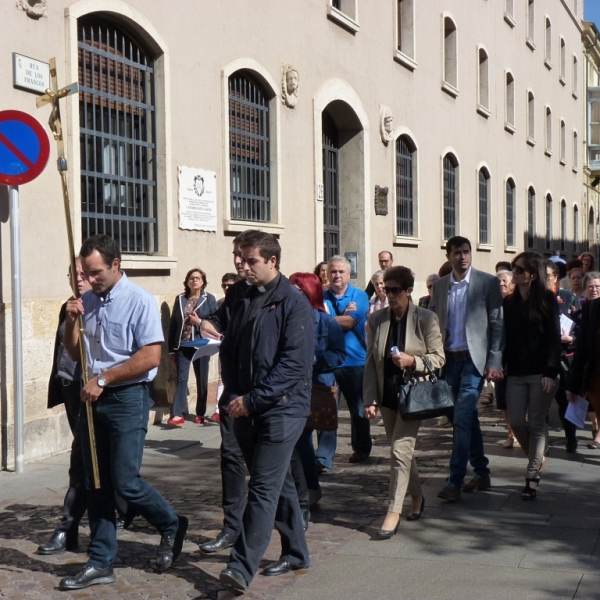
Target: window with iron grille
[(450, 172), (548, 222), (510, 213), (331, 182), (563, 225), (575, 229), (249, 149), (117, 137), (484, 184), (530, 217), (404, 187)]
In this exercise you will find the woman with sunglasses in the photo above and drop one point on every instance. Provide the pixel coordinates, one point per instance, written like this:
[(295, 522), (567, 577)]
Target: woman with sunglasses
[(398, 337), (189, 309), (532, 360)]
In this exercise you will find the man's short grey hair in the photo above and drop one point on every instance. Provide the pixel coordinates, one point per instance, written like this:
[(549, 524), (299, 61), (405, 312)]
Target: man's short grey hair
[(376, 276), (432, 277), (339, 258), (589, 276)]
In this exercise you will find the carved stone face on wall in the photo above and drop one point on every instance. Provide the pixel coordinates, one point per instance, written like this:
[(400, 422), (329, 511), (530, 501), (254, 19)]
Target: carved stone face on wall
[(386, 124), (34, 8), (290, 81)]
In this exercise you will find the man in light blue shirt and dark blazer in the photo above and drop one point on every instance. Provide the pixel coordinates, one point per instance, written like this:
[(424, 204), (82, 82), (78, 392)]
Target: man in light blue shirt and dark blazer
[(123, 337), (349, 306), (468, 304)]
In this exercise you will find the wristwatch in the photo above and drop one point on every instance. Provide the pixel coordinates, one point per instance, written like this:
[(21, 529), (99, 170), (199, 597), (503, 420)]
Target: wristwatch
[(101, 381)]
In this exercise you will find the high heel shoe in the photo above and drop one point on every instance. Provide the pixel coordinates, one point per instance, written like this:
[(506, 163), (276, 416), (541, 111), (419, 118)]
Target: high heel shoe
[(384, 534), (417, 516)]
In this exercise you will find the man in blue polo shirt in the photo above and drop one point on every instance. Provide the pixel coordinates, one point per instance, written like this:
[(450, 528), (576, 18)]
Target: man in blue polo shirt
[(349, 306)]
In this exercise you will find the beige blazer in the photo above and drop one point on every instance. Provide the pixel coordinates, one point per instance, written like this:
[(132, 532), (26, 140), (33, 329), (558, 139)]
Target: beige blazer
[(423, 338)]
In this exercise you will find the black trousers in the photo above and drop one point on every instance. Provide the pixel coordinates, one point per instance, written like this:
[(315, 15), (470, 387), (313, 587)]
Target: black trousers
[(569, 428), (300, 480), (233, 476), (267, 443)]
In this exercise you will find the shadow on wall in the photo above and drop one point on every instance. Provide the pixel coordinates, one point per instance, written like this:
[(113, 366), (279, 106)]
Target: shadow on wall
[(4, 216), (566, 247)]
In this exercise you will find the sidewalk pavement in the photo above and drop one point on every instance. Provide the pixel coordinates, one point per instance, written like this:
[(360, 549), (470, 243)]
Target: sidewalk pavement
[(487, 545)]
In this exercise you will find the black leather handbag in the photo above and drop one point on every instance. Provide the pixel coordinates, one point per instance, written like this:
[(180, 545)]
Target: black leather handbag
[(425, 398)]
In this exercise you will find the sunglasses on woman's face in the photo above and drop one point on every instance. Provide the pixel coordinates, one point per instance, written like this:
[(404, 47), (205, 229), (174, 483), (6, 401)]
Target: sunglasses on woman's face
[(517, 269), (393, 290)]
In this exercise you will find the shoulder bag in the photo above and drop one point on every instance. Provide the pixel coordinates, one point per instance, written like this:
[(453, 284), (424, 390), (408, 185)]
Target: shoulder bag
[(425, 398), (323, 408)]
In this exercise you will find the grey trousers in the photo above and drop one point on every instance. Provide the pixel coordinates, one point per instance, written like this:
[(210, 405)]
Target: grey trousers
[(403, 469), (525, 397)]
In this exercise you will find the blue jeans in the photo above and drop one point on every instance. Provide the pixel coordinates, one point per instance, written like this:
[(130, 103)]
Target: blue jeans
[(120, 425), (466, 383), (180, 402), (350, 382)]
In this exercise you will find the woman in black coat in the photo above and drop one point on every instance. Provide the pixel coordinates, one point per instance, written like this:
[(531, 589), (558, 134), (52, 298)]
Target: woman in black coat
[(188, 311)]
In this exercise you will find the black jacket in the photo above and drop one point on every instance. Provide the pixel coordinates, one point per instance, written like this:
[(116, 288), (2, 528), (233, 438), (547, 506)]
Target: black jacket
[(585, 347), (282, 352), (206, 306)]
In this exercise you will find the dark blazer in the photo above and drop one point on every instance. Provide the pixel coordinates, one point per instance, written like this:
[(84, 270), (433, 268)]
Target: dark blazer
[(283, 349), (205, 307), (220, 319), (484, 328), (585, 347), (55, 396)]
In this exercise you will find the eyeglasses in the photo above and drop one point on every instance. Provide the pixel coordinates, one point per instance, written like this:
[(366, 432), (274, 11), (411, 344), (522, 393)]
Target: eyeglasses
[(226, 285), (393, 290), (593, 287), (80, 274), (517, 269), (195, 278)]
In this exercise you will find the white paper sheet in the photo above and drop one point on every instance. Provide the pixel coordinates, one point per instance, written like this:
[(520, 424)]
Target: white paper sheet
[(209, 349), (577, 411), (566, 325)]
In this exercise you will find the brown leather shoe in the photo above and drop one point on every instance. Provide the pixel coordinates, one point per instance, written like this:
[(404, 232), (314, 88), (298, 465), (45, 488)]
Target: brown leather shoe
[(477, 484), (449, 493), (358, 457)]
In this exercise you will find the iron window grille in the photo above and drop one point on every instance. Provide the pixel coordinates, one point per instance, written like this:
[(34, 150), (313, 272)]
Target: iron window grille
[(563, 225), (530, 217), (449, 198), (404, 188), (117, 137), (331, 201), (510, 213), (483, 207), (249, 150), (548, 222)]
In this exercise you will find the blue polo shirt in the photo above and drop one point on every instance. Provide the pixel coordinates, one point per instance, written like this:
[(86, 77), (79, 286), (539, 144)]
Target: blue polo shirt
[(117, 325), (356, 354)]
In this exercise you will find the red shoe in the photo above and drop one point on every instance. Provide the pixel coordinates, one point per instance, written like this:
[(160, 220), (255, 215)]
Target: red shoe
[(199, 420), (214, 419), (178, 421)]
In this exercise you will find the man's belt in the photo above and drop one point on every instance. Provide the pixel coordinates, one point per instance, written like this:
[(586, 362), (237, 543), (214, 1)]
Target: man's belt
[(458, 354)]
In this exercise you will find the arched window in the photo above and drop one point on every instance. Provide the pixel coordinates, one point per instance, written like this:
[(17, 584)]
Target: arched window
[(530, 217), (510, 99), (563, 225), (548, 130), (576, 228), (450, 195), (484, 87), (531, 22), (563, 142), (548, 222), (450, 53), (575, 151), (117, 137), (530, 116), (548, 55), (406, 27), (575, 74), (484, 209), (510, 213), (249, 149), (563, 60), (405, 189)]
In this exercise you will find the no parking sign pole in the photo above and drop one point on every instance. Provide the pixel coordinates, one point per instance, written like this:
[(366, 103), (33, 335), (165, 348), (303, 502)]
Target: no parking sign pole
[(24, 151)]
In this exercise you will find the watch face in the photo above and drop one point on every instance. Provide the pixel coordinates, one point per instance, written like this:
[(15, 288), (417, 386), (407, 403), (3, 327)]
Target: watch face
[(101, 381)]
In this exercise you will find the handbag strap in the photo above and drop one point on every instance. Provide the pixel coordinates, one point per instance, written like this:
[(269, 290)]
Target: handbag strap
[(432, 376)]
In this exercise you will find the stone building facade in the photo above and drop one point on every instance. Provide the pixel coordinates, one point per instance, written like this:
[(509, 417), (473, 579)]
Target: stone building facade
[(341, 126)]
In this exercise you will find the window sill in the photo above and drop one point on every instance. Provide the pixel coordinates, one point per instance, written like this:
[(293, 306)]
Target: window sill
[(575, 170), (562, 80), (449, 89), (239, 226), (510, 127), (575, 95), (531, 44), (563, 162), (405, 60), (338, 17), (484, 247), (411, 242), (548, 152), (483, 111), (548, 64), (509, 19), (511, 249), (531, 141), (147, 262)]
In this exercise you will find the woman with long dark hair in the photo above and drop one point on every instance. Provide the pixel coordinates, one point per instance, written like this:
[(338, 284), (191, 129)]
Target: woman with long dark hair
[(532, 360)]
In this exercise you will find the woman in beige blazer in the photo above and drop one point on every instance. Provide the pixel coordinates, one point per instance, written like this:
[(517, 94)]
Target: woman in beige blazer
[(412, 332)]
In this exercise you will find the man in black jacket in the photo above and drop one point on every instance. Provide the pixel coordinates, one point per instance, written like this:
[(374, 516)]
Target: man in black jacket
[(266, 362)]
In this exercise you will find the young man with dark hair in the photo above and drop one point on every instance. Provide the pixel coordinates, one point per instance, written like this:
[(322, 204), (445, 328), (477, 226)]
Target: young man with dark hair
[(123, 334), (468, 304)]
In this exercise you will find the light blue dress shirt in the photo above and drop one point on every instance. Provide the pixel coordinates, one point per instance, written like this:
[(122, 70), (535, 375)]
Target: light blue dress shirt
[(118, 325), (456, 338)]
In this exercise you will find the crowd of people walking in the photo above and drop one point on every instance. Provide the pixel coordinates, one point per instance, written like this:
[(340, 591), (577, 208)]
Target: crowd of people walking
[(290, 349)]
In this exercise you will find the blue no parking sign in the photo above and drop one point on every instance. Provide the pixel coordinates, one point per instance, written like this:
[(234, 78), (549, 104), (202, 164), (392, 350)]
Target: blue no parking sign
[(24, 147)]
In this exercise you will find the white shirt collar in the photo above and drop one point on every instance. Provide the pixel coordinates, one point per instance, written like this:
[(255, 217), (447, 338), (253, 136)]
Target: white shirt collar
[(465, 279)]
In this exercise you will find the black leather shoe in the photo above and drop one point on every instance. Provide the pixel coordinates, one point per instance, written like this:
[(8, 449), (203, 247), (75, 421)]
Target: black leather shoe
[(170, 546), (281, 567), (449, 493), (58, 543), (224, 540), (88, 576), (305, 518), (233, 578)]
